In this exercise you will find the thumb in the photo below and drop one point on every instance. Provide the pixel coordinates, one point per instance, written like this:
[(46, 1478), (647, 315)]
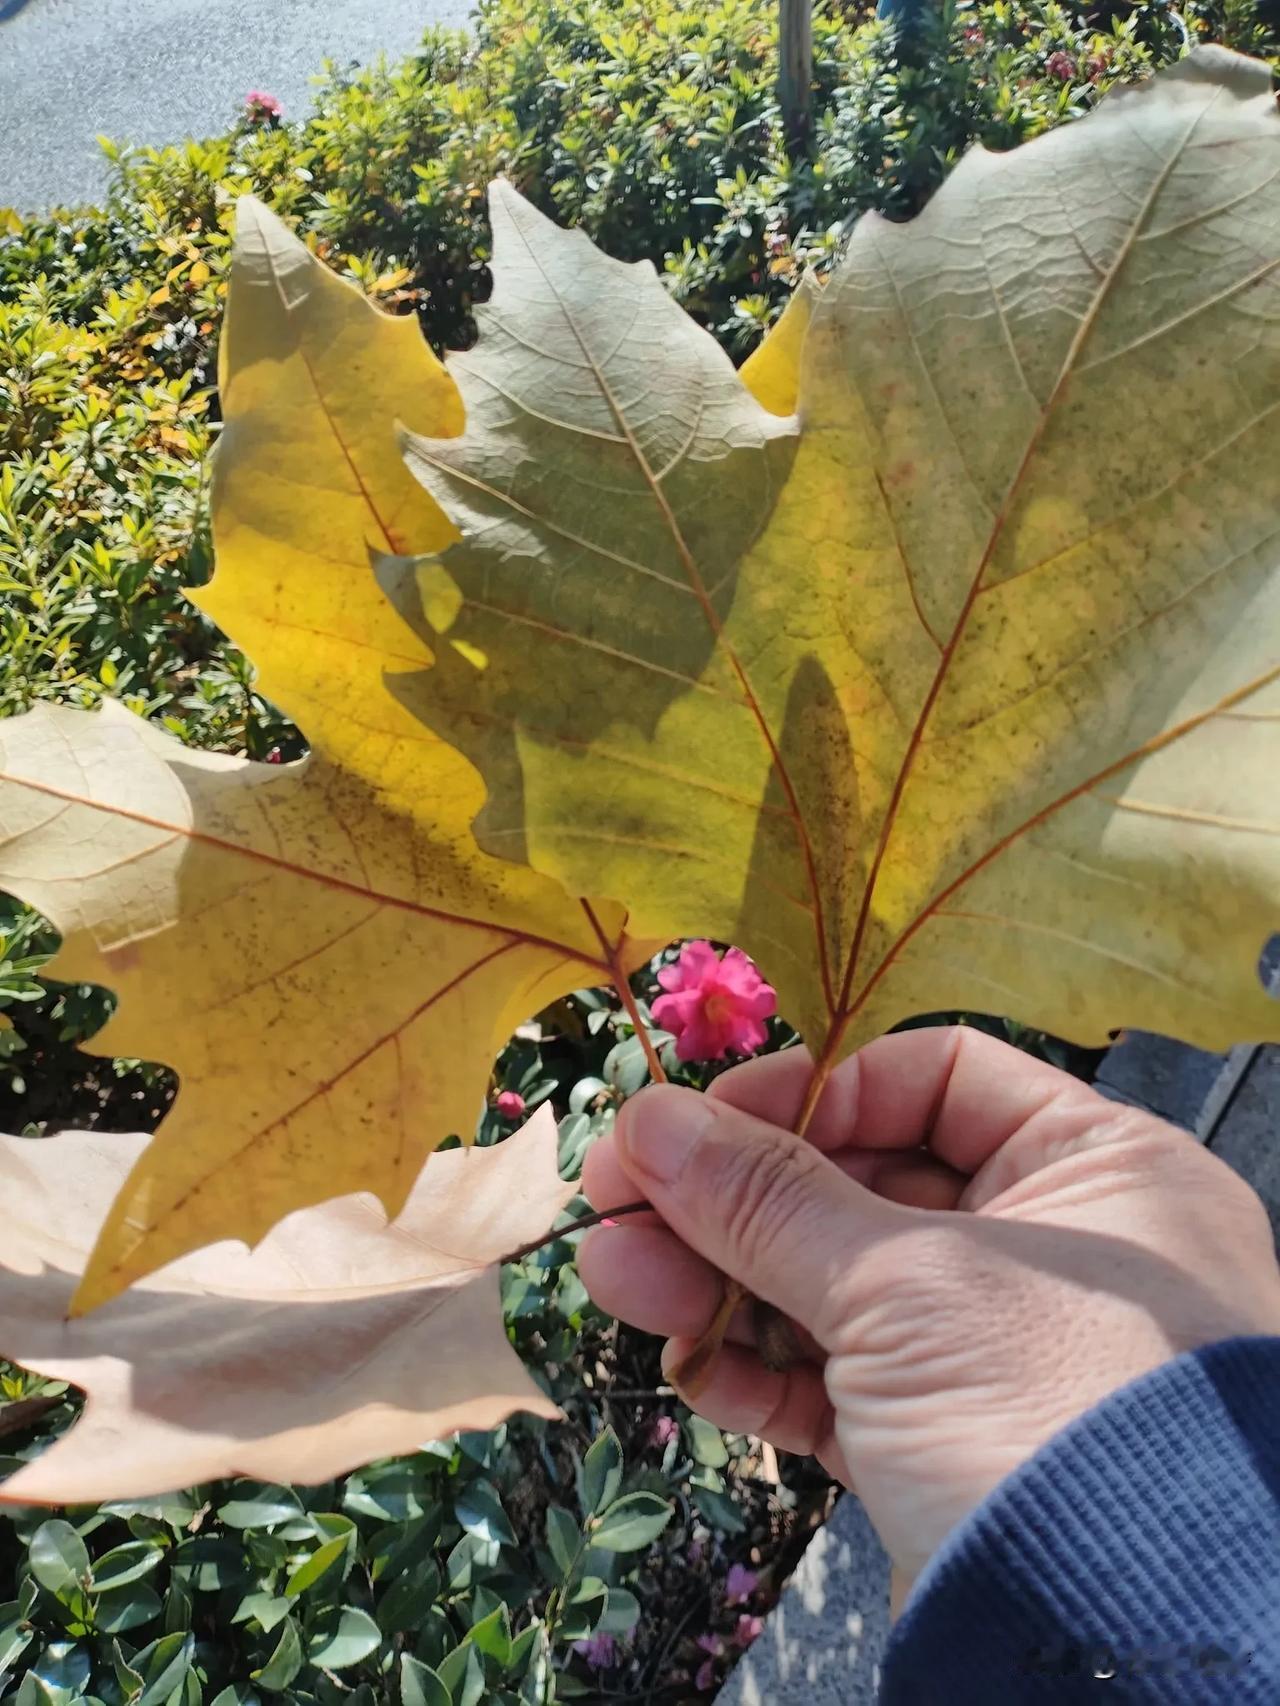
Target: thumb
[(764, 1206)]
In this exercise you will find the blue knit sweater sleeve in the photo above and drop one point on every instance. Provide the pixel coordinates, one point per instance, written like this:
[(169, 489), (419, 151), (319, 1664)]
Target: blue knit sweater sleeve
[(1135, 1558)]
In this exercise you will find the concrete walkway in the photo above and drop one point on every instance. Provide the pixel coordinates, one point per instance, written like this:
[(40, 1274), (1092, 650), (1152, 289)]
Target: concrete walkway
[(160, 70)]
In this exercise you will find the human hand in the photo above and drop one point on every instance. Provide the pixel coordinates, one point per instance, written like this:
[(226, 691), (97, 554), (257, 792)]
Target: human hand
[(977, 1247)]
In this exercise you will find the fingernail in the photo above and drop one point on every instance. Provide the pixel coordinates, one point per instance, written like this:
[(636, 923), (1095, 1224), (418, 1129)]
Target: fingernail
[(661, 1128)]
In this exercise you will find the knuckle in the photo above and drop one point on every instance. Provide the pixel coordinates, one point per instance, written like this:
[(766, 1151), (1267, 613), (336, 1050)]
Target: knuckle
[(768, 1188)]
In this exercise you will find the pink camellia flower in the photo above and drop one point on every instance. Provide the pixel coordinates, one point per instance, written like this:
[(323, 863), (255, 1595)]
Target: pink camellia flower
[(1061, 65), (510, 1104), (714, 1006), (748, 1627), (600, 1651), (262, 108), (739, 1584)]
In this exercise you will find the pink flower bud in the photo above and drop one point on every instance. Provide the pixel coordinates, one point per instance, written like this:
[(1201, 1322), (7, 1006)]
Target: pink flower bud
[(663, 1431), (510, 1104)]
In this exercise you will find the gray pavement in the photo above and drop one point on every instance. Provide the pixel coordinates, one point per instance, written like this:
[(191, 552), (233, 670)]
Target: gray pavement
[(823, 1641), (156, 71)]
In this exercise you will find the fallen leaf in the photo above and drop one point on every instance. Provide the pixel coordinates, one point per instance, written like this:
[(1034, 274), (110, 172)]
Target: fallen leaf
[(613, 473), (340, 1339), (977, 705), (321, 952), (330, 985), (307, 482)]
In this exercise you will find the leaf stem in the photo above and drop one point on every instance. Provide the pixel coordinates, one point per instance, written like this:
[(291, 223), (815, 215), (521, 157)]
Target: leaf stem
[(623, 986), (596, 1218), (817, 1083), (690, 1376), (622, 983)]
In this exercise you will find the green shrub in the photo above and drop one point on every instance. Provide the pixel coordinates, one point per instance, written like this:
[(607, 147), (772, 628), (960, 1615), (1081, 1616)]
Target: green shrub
[(652, 126)]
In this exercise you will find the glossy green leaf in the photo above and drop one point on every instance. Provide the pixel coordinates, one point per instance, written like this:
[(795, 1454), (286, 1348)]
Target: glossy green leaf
[(479, 1510), (176, 1510), (632, 1523), (463, 1674), (207, 1562), (341, 1637), (706, 1442), (521, 1647), (407, 1600), (267, 1610), (492, 1635), (285, 1662), (327, 1563), (178, 1604), (396, 1492), (123, 1564), (34, 1692), (164, 1666), (129, 1680), (621, 1613), (720, 1510), (128, 1607), (187, 1693), (59, 1559), (420, 1685), (470, 1557), (63, 1669), (404, 1546), (16, 1635), (263, 1510), (584, 1609), (564, 1538), (601, 1473)]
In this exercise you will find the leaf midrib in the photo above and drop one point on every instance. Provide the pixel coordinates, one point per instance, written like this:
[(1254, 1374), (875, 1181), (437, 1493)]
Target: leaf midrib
[(1167, 737), (846, 1009), (699, 591), (341, 885)]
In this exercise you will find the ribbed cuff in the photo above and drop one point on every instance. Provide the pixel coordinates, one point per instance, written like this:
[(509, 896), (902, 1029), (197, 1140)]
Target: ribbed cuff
[(1135, 1558)]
